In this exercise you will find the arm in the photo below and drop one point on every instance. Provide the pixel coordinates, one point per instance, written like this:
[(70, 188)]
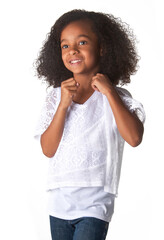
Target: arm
[(51, 138), (128, 124)]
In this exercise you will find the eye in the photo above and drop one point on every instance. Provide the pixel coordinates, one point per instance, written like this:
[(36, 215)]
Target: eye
[(83, 42), (64, 46)]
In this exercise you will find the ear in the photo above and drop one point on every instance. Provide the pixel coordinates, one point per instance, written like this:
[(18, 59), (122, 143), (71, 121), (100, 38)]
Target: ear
[(101, 52)]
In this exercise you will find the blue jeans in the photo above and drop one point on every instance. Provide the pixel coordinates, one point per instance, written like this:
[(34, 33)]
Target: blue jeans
[(84, 228)]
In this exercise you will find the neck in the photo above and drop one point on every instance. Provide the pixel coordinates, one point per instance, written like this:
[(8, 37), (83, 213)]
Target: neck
[(85, 80)]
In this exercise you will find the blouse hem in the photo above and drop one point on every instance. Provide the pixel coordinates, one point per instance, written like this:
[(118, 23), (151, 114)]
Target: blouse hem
[(79, 216), (79, 184)]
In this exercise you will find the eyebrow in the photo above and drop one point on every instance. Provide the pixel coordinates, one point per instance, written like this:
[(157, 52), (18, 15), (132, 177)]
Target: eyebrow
[(79, 36)]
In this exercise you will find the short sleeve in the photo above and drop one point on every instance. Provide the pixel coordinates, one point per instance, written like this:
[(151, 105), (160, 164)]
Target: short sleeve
[(132, 104), (47, 113)]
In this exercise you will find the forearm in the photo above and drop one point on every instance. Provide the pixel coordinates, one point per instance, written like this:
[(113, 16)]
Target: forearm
[(50, 139), (128, 124)]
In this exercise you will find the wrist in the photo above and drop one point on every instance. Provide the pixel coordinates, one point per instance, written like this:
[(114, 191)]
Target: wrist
[(110, 92), (62, 107)]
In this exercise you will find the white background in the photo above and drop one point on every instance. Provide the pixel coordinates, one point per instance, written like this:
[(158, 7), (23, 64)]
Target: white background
[(139, 207)]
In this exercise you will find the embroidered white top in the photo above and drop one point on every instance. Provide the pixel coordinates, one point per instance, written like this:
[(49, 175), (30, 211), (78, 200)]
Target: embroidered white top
[(91, 148)]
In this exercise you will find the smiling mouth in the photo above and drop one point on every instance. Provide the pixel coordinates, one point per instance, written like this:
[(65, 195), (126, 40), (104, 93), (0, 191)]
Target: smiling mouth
[(75, 61)]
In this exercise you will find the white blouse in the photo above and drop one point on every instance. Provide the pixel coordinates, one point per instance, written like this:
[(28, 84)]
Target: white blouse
[(91, 148), (75, 202)]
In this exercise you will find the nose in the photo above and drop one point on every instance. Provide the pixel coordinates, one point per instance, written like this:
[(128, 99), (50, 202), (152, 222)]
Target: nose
[(74, 50)]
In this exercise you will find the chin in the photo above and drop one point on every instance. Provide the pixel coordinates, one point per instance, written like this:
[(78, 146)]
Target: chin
[(77, 72)]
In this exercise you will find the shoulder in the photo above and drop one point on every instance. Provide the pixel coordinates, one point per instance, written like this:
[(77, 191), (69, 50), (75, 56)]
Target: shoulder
[(52, 97), (53, 93), (132, 104), (123, 92)]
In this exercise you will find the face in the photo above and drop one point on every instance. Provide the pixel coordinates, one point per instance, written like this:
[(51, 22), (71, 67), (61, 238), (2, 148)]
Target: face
[(80, 48)]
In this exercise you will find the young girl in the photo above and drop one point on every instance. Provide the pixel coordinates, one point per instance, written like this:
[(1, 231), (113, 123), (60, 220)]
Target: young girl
[(86, 119)]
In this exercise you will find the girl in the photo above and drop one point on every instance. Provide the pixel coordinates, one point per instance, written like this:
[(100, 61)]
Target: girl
[(86, 119)]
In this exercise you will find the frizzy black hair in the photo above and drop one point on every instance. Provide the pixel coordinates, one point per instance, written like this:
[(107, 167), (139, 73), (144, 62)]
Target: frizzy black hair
[(119, 57)]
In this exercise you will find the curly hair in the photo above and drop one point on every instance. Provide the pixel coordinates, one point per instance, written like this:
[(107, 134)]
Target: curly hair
[(119, 56)]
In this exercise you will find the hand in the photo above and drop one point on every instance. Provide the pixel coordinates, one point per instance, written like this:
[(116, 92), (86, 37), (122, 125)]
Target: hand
[(68, 91), (101, 83)]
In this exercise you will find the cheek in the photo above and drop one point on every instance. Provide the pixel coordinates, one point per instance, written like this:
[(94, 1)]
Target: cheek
[(93, 56), (94, 51), (63, 56)]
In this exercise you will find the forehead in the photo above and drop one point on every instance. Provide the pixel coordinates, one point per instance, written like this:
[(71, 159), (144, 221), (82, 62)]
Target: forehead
[(76, 28)]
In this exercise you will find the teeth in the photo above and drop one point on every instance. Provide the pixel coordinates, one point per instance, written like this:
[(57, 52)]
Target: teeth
[(75, 61)]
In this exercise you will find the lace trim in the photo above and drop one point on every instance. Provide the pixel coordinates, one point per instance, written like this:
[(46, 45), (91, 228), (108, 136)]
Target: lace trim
[(132, 104), (47, 112)]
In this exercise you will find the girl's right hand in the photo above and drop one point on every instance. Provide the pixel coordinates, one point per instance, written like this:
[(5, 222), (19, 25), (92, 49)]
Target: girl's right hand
[(68, 91)]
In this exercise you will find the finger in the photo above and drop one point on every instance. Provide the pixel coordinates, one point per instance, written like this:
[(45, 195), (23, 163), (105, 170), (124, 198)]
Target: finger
[(96, 77), (74, 88), (100, 74), (94, 81), (73, 82), (70, 80), (73, 93), (93, 85), (95, 88)]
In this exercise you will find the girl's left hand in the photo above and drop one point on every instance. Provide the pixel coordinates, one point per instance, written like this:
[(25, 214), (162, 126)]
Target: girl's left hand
[(101, 83)]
